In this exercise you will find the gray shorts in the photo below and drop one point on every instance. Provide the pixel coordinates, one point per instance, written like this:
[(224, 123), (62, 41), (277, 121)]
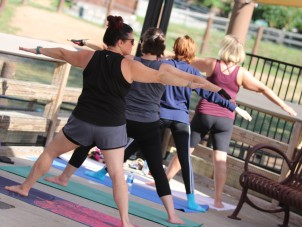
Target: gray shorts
[(220, 129), (86, 134)]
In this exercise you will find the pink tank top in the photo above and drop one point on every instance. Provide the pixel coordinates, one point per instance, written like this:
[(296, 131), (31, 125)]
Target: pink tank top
[(229, 84)]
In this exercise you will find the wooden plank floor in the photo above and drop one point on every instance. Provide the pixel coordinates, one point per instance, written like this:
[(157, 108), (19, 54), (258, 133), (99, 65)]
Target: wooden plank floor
[(32, 216)]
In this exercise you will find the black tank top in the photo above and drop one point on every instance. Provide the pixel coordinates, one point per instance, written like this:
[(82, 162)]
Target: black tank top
[(102, 101)]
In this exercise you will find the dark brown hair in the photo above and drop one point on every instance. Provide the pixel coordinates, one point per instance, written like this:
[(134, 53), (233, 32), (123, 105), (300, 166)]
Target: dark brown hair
[(116, 30), (154, 42)]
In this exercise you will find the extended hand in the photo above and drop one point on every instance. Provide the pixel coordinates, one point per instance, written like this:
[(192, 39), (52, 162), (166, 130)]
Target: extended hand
[(290, 110), (80, 42), (31, 50), (243, 113)]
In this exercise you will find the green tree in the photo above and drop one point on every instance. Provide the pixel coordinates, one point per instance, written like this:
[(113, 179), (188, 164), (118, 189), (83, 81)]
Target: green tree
[(297, 22), (221, 7), (280, 17)]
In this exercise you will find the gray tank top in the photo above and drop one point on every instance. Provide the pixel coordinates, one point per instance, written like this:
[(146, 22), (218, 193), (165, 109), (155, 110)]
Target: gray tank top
[(143, 99)]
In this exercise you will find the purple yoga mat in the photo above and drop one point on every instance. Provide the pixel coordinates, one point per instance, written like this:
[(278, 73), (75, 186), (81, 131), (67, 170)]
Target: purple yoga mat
[(61, 206)]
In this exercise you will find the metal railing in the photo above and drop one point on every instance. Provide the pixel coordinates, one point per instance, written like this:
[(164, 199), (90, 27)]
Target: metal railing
[(286, 81), (283, 78)]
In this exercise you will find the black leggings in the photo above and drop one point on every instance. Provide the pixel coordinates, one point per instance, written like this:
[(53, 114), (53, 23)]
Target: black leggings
[(147, 137), (181, 136)]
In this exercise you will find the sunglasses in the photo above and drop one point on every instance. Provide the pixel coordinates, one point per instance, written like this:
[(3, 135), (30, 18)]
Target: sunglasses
[(131, 40)]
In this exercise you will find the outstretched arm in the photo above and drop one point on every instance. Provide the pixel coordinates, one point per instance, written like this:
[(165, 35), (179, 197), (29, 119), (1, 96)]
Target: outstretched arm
[(75, 58), (251, 83), (94, 46), (136, 71), (187, 76), (88, 43), (218, 99)]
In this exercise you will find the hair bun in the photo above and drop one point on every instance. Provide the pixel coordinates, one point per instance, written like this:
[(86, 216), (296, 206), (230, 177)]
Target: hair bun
[(115, 22)]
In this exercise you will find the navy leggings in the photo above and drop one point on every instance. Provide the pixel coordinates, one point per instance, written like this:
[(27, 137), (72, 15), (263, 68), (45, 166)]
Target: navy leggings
[(148, 138), (181, 136)]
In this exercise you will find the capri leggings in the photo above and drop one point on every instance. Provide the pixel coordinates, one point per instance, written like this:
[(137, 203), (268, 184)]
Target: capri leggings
[(220, 129), (181, 135), (147, 136)]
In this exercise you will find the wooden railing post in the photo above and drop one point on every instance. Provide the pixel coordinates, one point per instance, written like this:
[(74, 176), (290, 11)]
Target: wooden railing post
[(60, 80), (258, 40), (293, 144), (2, 5), (206, 35), (108, 11), (8, 71), (60, 6)]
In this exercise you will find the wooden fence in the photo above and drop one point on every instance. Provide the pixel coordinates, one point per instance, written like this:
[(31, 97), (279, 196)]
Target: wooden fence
[(16, 126), (195, 19)]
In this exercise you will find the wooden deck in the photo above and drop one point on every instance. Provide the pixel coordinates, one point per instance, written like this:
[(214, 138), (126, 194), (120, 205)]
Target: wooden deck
[(31, 216)]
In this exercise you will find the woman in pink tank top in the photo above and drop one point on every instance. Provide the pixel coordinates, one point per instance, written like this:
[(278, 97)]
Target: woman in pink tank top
[(211, 118)]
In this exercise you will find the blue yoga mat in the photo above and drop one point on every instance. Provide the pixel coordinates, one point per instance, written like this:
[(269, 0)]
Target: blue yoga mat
[(101, 197), (137, 190)]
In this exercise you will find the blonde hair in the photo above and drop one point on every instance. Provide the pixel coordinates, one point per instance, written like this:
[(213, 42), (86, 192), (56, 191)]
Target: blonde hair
[(184, 49), (231, 50)]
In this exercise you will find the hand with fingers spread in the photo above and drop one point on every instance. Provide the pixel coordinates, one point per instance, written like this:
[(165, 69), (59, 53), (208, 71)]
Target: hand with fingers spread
[(243, 113)]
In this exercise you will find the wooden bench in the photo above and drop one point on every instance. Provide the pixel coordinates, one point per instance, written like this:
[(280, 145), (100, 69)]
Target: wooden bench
[(287, 192)]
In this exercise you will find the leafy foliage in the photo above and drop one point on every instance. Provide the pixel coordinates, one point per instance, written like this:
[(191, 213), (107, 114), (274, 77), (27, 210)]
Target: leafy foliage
[(280, 17), (223, 7)]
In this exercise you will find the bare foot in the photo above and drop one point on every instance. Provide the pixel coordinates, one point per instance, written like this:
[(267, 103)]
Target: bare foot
[(176, 220), (151, 183), (218, 204), (17, 189), (56, 180), (127, 225)]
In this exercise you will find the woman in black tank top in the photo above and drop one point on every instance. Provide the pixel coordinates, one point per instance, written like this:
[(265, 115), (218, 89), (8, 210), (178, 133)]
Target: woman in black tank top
[(119, 40)]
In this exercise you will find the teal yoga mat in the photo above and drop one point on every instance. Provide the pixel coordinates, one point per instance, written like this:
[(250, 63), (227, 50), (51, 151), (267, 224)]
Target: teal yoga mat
[(103, 198)]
